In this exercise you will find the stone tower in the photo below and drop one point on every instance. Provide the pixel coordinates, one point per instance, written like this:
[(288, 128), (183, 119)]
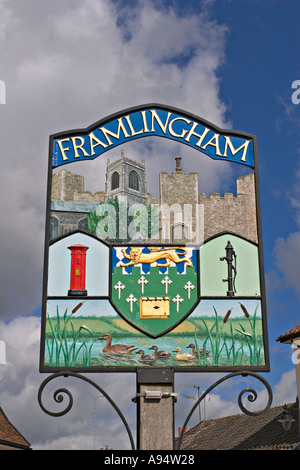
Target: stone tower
[(126, 179), (179, 205), (65, 184)]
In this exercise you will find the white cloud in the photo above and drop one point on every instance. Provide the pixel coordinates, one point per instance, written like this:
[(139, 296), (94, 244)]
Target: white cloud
[(287, 259), (89, 423), (67, 65), (285, 390)]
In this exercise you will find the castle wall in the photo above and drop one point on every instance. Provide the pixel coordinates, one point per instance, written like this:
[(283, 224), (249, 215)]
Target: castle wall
[(87, 196), (178, 188), (64, 184), (246, 186), (230, 213), (218, 214), (68, 186)]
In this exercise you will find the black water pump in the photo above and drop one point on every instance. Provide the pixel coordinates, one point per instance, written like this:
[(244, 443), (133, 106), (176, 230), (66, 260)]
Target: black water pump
[(231, 266)]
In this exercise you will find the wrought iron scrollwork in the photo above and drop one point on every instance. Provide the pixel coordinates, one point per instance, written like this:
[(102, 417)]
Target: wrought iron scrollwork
[(252, 396), (60, 394)]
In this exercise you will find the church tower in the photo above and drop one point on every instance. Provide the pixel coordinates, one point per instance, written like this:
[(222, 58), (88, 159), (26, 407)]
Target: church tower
[(126, 179)]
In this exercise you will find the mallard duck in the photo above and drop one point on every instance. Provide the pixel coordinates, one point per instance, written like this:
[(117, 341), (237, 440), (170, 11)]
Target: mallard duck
[(115, 348), (157, 353), (145, 358), (183, 356), (194, 351)]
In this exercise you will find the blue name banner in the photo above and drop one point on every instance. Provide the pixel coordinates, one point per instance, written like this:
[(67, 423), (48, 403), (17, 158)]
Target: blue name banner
[(152, 120)]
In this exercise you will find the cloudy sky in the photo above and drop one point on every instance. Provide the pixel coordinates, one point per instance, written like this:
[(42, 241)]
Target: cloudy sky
[(69, 63)]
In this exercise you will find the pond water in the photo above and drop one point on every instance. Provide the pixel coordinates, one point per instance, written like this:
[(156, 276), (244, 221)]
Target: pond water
[(99, 359)]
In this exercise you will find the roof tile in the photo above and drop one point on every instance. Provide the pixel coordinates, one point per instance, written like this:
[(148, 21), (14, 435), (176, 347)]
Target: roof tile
[(244, 432), (9, 435)]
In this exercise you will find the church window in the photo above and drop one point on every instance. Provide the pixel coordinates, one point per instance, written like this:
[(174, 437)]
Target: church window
[(133, 180), (115, 180), (53, 227)]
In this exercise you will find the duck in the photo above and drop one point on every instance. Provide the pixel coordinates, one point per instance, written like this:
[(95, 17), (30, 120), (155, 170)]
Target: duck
[(145, 358), (194, 351), (183, 356), (116, 348), (157, 353)]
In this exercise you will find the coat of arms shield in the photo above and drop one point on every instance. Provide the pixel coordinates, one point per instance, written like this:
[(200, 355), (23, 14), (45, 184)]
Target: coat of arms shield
[(154, 288)]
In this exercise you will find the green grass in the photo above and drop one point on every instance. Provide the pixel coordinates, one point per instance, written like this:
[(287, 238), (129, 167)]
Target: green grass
[(232, 337), (230, 341), (62, 351)]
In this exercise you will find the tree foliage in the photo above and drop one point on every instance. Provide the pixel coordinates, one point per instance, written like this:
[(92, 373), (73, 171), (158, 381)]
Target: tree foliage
[(118, 222)]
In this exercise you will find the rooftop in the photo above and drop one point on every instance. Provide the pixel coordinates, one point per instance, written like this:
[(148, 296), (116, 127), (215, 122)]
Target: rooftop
[(10, 436), (290, 335), (244, 432)]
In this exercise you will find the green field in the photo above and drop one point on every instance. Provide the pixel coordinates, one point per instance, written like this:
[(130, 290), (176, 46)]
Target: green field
[(119, 327)]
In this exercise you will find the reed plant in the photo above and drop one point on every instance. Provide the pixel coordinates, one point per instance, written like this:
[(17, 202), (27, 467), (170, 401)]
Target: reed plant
[(64, 343), (255, 349), (230, 344)]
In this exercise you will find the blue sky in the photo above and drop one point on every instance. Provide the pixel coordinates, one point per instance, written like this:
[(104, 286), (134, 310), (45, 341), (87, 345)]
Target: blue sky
[(69, 64), (257, 82)]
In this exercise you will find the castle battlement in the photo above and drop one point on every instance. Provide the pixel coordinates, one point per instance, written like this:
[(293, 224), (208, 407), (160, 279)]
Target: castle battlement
[(236, 214), (68, 186), (227, 212)]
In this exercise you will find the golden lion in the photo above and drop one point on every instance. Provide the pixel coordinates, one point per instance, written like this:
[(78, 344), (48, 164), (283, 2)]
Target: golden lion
[(136, 256)]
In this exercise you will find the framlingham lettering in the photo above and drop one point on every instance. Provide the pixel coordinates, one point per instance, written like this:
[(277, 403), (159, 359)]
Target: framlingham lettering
[(152, 122)]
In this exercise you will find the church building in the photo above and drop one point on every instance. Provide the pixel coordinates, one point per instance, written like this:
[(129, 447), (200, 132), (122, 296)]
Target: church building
[(126, 180)]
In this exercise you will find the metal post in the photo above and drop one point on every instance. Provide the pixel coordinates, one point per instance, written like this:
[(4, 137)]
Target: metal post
[(155, 409)]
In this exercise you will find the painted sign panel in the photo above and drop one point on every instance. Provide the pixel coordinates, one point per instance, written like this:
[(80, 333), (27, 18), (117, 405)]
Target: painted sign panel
[(155, 120), (133, 279)]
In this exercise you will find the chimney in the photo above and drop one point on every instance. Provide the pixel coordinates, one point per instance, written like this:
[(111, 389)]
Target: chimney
[(178, 166), (180, 430)]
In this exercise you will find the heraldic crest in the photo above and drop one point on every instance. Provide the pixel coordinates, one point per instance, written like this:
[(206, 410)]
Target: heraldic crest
[(154, 288)]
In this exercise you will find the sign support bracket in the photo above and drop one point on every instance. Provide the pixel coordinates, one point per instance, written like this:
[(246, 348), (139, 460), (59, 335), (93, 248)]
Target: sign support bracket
[(155, 417)]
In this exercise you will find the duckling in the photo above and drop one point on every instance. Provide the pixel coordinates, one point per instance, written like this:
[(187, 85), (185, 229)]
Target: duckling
[(115, 348), (183, 356), (146, 358), (157, 353), (194, 351)]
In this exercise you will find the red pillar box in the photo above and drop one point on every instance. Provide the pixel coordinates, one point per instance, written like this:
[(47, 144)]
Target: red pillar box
[(78, 268)]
